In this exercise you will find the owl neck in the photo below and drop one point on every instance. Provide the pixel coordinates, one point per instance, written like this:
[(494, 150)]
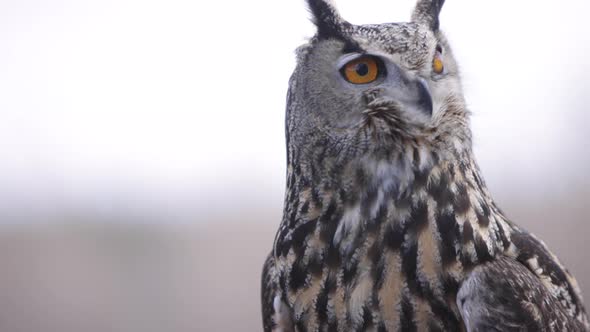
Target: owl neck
[(336, 205)]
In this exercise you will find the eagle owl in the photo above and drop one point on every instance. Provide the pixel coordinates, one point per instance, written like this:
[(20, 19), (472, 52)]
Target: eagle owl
[(388, 224)]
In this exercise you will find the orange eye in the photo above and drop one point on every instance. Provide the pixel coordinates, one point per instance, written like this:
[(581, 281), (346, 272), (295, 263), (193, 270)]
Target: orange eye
[(437, 64), (362, 70)]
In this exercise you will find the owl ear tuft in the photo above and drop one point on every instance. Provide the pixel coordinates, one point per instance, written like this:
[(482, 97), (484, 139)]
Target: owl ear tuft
[(426, 12), (326, 19)]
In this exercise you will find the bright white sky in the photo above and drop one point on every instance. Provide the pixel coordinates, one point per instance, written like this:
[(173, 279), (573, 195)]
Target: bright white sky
[(106, 103)]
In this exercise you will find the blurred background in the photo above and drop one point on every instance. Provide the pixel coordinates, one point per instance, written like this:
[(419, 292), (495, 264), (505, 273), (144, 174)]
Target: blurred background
[(142, 153)]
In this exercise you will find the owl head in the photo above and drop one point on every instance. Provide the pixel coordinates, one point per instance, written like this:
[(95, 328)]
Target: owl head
[(378, 91)]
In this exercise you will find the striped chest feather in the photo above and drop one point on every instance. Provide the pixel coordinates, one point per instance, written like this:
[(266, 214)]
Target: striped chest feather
[(389, 258)]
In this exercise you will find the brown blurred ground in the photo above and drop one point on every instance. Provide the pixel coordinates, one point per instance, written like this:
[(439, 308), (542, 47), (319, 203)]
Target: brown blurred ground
[(131, 278), (93, 276)]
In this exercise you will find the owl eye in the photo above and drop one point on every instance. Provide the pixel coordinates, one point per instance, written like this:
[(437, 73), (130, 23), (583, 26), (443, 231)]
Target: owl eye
[(438, 65), (363, 70)]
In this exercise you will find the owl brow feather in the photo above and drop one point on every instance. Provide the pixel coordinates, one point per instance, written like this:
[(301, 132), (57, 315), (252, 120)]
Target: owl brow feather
[(350, 46)]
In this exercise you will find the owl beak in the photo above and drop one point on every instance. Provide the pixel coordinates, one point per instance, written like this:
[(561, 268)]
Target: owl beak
[(414, 97), (411, 96), (424, 100)]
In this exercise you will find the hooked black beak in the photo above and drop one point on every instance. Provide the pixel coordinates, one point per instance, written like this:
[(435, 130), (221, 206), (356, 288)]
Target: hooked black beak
[(409, 95), (424, 99)]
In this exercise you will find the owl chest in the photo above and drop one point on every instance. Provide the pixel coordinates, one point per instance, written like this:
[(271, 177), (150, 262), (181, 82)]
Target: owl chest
[(376, 289)]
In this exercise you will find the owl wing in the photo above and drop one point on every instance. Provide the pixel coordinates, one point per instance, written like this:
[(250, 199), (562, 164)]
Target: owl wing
[(276, 315), (504, 295)]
